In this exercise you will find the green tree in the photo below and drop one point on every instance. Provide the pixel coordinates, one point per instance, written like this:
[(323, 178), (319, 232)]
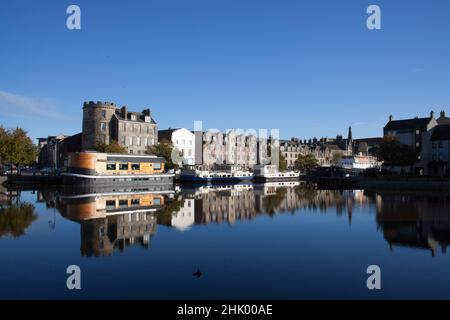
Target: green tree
[(16, 147), (113, 147), (306, 163), (393, 152), (283, 163), (163, 149)]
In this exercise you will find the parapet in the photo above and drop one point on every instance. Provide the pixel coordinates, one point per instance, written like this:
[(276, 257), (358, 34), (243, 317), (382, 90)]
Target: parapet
[(95, 104)]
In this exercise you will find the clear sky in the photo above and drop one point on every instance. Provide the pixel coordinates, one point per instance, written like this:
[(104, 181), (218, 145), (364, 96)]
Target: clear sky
[(310, 68)]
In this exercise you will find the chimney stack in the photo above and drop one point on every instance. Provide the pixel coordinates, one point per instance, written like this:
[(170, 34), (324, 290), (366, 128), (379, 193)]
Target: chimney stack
[(124, 112), (432, 114), (442, 114), (391, 118)]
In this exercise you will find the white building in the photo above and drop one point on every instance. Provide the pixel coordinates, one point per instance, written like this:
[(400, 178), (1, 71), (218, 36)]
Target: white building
[(183, 219), (183, 141)]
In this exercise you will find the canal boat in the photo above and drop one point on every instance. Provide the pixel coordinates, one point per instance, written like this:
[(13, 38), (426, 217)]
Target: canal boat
[(102, 169)]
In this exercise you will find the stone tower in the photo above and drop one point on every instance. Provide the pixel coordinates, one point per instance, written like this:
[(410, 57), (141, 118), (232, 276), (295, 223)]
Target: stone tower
[(98, 123)]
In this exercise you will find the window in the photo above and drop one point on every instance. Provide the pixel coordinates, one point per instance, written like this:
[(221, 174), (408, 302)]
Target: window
[(123, 166), (130, 141), (157, 201), (134, 202), (111, 166), (145, 142), (124, 140), (157, 166), (133, 117), (104, 114), (440, 145), (103, 126), (123, 203), (189, 153), (417, 131), (110, 203), (135, 166), (138, 141), (417, 144)]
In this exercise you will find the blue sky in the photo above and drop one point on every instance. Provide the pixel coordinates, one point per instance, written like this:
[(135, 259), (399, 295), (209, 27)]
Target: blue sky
[(310, 68)]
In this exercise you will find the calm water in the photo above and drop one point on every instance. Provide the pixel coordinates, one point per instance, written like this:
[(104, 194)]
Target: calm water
[(263, 241)]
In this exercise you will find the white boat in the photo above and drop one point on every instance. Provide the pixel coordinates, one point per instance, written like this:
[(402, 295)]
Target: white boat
[(201, 174), (271, 173)]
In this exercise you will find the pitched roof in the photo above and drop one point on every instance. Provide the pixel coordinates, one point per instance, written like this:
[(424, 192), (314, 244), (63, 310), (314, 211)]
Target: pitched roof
[(441, 132), (407, 124), (443, 120)]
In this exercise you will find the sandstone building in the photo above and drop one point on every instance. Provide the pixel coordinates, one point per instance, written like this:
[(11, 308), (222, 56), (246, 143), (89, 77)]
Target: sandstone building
[(104, 122)]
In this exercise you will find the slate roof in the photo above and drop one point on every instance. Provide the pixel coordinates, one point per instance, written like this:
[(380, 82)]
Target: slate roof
[(407, 124), (441, 132)]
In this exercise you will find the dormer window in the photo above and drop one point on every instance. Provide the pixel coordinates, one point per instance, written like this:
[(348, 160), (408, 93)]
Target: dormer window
[(133, 117)]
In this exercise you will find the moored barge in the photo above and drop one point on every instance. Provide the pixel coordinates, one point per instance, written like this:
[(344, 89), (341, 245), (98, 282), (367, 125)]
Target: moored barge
[(102, 169)]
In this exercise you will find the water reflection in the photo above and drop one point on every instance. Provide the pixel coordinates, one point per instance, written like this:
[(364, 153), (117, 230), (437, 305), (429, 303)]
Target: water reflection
[(112, 220), (15, 216), (414, 221)]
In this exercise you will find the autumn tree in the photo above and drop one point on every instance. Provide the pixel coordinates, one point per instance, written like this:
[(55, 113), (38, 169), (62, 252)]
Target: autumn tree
[(16, 147)]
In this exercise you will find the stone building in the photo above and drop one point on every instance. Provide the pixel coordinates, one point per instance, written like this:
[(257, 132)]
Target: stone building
[(104, 122), (415, 133), (213, 148)]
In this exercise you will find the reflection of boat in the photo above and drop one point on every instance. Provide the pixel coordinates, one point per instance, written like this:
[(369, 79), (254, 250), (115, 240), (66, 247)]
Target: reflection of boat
[(101, 169), (101, 205), (113, 219), (202, 174), (271, 173)]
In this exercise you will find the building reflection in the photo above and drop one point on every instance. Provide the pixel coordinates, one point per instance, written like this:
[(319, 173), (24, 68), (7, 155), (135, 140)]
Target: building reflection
[(113, 221), (414, 221)]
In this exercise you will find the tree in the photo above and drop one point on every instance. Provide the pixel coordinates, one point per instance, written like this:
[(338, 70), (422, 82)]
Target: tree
[(306, 163), (113, 147), (16, 147), (283, 163), (336, 158), (163, 149), (393, 152)]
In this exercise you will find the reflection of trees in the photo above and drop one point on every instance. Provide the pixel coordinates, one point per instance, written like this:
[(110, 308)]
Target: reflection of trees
[(164, 215), (15, 219), (272, 203)]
